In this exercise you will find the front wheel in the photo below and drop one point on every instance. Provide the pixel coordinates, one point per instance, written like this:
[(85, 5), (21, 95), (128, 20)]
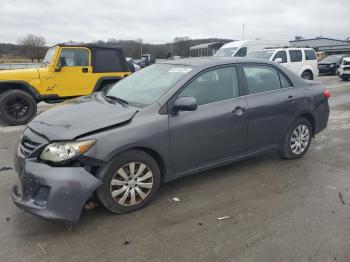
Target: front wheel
[(130, 181), (297, 140), (307, 75), (17, 107), (344, 78)]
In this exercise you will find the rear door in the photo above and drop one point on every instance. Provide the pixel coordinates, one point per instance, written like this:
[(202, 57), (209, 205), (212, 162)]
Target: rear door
[(74, 75), (296, 61), (217, 129), (272, 105)]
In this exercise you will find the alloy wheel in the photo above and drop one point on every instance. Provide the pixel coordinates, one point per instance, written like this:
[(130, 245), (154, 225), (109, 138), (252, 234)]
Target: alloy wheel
[(131, 184), (300, 139)]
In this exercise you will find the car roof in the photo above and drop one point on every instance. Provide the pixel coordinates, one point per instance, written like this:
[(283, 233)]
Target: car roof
[(212, 61), (90, 46)]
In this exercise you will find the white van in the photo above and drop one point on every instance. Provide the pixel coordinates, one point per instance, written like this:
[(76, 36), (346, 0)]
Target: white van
[(244, 47)]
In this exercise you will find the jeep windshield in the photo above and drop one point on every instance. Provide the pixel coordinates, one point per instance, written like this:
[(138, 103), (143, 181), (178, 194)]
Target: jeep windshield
[(224, 52), (146, 86), (49, 55)]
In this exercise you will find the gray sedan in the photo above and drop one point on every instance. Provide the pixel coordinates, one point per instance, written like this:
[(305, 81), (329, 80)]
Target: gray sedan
[(167, 121)]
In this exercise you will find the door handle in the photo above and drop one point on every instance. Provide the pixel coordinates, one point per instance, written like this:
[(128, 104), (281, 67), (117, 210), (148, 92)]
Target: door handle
[(85, 69), (238, 111)]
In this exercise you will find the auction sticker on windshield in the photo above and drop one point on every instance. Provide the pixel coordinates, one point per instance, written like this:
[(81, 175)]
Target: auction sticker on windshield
[(183, 70)]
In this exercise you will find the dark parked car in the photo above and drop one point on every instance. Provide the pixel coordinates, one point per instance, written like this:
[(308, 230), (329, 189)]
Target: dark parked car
[(330, 64), (166, 121)]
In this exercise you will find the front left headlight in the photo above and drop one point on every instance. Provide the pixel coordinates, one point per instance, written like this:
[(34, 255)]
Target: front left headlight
[(61, 151)]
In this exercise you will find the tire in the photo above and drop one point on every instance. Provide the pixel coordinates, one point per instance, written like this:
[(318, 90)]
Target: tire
[(289, 148), (307, 75), (344, 78), (17, 107), (112, 194)]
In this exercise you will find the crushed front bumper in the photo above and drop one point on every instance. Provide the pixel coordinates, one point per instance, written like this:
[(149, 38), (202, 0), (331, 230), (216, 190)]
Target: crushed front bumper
[(54, 193)]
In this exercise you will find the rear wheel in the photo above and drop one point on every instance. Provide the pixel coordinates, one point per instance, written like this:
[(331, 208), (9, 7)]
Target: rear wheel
[(17, 107), (307, 75), (297, 140), (344, 78), (130, 181)]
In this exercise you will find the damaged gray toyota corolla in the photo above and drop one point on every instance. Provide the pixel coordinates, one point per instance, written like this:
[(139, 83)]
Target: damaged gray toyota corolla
[(163, 122)]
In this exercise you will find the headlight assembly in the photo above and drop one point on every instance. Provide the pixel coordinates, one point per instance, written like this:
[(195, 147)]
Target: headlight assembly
[(331, 66), (61, 151)]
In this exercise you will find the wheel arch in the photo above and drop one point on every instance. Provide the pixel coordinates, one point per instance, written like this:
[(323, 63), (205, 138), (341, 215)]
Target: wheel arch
[(105, 80), (19, 85), (150, 151), (308, 116), (309, 70)]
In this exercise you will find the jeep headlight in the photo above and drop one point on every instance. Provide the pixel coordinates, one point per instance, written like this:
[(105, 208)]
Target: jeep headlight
[(61, 151)]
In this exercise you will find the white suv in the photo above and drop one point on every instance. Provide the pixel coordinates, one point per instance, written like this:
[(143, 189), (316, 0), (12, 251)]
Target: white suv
[(302, 61), (344, 69)]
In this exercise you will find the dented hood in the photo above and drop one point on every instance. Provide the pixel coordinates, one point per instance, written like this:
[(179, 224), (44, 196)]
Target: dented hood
[(80, 116)]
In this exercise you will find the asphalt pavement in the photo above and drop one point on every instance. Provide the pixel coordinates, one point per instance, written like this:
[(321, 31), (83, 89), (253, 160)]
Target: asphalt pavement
[(271, 210)]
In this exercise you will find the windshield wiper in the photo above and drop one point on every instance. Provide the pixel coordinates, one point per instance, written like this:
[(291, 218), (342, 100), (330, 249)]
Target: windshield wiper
[(118, 99)]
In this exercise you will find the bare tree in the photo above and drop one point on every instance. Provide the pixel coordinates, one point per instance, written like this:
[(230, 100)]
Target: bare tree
[(34, 46)]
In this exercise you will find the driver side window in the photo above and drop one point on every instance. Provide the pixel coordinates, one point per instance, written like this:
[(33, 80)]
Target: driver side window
[(74, 57), (213, 86)]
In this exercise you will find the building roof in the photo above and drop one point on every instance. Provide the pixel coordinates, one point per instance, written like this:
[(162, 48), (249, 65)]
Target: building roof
[(319, 38)]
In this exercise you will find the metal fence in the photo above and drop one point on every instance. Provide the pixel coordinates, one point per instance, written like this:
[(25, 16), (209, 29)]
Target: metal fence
[(10, 66)]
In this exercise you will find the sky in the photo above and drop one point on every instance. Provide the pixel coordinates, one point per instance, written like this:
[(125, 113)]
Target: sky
[(160, 21)]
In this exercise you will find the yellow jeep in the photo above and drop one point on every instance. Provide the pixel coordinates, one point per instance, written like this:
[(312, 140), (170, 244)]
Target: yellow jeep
[(68, 71)]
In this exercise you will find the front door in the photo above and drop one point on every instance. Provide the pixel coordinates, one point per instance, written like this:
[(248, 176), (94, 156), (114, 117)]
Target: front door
[(73, 72), (217, 129)]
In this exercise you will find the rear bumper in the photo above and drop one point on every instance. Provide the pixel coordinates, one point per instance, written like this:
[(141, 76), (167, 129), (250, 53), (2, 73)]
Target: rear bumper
[(54, 193)]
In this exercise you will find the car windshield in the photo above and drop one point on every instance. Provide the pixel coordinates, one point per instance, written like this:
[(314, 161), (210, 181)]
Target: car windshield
[(260, 54), (229, 51), (331, 59), (49, 55), (147, 85)]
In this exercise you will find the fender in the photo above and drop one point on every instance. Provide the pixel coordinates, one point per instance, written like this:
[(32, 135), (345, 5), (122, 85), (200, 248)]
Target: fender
[(105, 78), (24, 86)]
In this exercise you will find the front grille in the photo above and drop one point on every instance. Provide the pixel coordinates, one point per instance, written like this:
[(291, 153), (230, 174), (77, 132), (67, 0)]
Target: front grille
[(28, 146), (346, 63), (346, 68)]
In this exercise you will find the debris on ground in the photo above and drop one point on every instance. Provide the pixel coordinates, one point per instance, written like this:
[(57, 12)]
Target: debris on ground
[(200, 224), (176, 199), (126, 242), (341, 198), (8, 219), (223, 218), (5, 168), (91, 205), (41, 248)]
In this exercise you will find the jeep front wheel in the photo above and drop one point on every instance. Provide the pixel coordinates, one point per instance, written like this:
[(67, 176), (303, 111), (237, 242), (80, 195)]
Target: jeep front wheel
[(17, 107)]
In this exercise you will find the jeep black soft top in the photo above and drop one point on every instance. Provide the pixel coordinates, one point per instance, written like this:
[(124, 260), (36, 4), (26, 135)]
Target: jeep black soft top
[(104, 59)]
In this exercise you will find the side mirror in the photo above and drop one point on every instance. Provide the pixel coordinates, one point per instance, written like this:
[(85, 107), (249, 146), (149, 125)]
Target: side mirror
[(185, 104), (58, 68), (278, 60)]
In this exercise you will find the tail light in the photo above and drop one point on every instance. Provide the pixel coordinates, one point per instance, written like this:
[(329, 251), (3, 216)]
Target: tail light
[(326, 94)]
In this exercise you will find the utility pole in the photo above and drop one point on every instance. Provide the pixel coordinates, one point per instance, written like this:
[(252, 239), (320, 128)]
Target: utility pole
[(243, 25)]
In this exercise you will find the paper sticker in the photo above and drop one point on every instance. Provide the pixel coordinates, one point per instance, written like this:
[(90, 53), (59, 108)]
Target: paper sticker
[(183, 70)]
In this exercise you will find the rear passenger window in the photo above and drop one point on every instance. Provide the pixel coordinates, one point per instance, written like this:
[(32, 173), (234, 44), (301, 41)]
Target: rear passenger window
[(213, 86), (295, 55), (310, 55), (285, 83), (261, 79), (282, 55)]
